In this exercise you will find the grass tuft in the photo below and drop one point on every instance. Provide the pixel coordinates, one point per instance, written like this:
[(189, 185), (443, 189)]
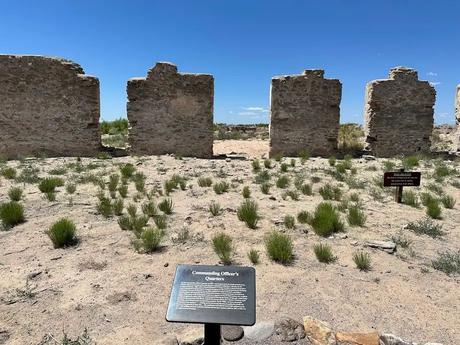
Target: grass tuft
[(223, 247), (247, 212), (323, 253), (279, 247), (11, 214), (15, 193), (254, 256), (326, 220), (166, 206), (426, 227), (215, 209), (62, 233), (362, 260)]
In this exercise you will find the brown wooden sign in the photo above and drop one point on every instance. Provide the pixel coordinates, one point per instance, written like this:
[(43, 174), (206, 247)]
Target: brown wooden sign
[(401, 179)]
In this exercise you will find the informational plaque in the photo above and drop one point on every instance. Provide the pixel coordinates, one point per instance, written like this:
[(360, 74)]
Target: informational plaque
[(213, 294), (401, 179)]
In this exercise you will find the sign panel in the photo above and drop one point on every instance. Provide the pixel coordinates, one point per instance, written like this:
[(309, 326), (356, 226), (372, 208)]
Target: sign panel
[(213, 294), (401, 179)]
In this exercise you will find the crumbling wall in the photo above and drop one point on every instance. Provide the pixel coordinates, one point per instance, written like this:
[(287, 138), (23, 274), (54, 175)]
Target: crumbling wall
[(170, 112), (457, 117), (48, 106), (304, 114), (399, 114)]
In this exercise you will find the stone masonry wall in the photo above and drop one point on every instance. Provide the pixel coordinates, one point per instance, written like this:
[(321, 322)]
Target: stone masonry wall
[(170, 112), (457, 117), (304, 114), (47, 106), (399, 114)]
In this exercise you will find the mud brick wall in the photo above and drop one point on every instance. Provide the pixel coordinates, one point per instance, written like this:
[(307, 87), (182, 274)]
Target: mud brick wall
[(304, 114), (48, 106), (457, 117), (399, 114), (171, 112)]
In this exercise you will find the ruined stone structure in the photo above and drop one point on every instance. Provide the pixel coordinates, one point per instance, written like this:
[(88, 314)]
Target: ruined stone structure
[(457, 117), (304, 114), (171, 112), (399, 114), (48, 106)]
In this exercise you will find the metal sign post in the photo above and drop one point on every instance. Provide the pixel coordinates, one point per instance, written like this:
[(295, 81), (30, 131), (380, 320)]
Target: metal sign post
[(401, 179), (213, 296)]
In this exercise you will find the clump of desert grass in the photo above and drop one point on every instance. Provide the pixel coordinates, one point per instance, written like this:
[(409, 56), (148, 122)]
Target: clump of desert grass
[(248, 212), (253, 256), (256, 165), (330, 192), (282, 182), (447, 262), (174, 183), (8, 172), (11, 214), (448, 201), (427, 227), (48, 187), (433, 209), (15, 193), (323, 253), (262, 177), (149, 240), (63, 233), (304, 217), (166, 206), (289, 222), (205, 181), (292, 194), (127, 170), (410, 198), (223, 247), (326, 220), (149, 209), (246, 192), (221, 187), (362, 260), (356, 216), (265, 188), (215, 209), (279, 247)]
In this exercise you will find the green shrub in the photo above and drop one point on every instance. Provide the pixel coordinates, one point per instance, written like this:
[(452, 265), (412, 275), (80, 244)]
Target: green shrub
[(410, 162), (246, 192), (70, 188), (433, 209), (127, 170), (279, 247), (329, 192), (247, 212), (349, 137), (427, 198), (326, 220), (409, 198), (113, 182), (28, 174), (175, 182), (138, 223), (62, 233), (104, 207), (265, 187), (166, 206), (268, 164), (123, 191), (151, 239), (221, 187), (401, 241), (256, 165), (49, 184), (215, 209), (356, 216), (435, 188), (149, 209), (324, 253), (160, 221), (448, 201), (304, 155), (332, 160), (139, 182), (262, 177), (282, 181), (292, 162), (283, 167), (58, 171), (362, 260), (388, 166), (132, 210), (117, 207), (289, 222), (354, 197), (8, 173), (306, 189), (15, 193), (293, 194), (426, 227), (447, 262), (253, 256), (11, 214), (304, 217), (223, 247), (205, 182)]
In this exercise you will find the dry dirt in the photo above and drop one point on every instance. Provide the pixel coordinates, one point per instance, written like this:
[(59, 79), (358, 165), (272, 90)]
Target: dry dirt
[(121, 296)]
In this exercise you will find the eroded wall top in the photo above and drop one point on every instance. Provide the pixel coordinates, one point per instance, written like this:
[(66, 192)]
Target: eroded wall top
[(171, 112), (47, 106)]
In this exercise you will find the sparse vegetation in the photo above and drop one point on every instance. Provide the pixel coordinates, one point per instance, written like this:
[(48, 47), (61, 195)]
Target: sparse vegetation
[(279, 247), (149, 209), (433, 209), (256, 165), (205, 182), (15, 193), (150, 239), (426, 227), (127, 170), (221, 187), (362, 260), (166, 206), (410, 198), (410, 162), (247, 212), (356, 216), (265, 188), (282, 182), (326, 220), (11, 214), (215, 209), (223, 247), (448, 201), (323, 253), (253, 256), (62, 233), (289, 222), (246, 192), (329, 192), (8, 172), (447, 262), (304, 217)]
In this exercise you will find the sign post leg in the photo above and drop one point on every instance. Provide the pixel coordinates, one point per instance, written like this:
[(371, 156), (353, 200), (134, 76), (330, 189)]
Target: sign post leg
[(212, 334), (398, 196)]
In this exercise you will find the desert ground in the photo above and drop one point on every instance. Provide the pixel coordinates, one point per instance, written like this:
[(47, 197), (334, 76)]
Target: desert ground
[(119, 293)]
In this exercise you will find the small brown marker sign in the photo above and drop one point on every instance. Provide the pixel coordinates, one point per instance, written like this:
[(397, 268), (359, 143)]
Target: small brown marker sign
[(400, 179)]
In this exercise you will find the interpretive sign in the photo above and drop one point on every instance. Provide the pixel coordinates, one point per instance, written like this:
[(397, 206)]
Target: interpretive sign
[(213, 295), (401, 179)]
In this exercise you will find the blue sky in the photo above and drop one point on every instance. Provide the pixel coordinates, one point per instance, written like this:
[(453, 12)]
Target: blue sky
[(243, 43)]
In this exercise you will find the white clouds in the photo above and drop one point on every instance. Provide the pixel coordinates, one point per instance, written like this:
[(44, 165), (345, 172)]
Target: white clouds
[(435, 83), (258, 112), (432, 74)]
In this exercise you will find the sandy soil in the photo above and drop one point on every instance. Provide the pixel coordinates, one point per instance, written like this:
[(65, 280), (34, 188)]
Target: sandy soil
[(121, 296)]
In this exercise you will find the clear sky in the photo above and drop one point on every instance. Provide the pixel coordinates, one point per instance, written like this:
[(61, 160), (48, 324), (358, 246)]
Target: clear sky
[(243, 43)]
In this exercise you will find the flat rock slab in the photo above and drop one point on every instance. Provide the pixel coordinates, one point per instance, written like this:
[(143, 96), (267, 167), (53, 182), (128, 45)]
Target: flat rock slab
[(346, 338), (387, 246)]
